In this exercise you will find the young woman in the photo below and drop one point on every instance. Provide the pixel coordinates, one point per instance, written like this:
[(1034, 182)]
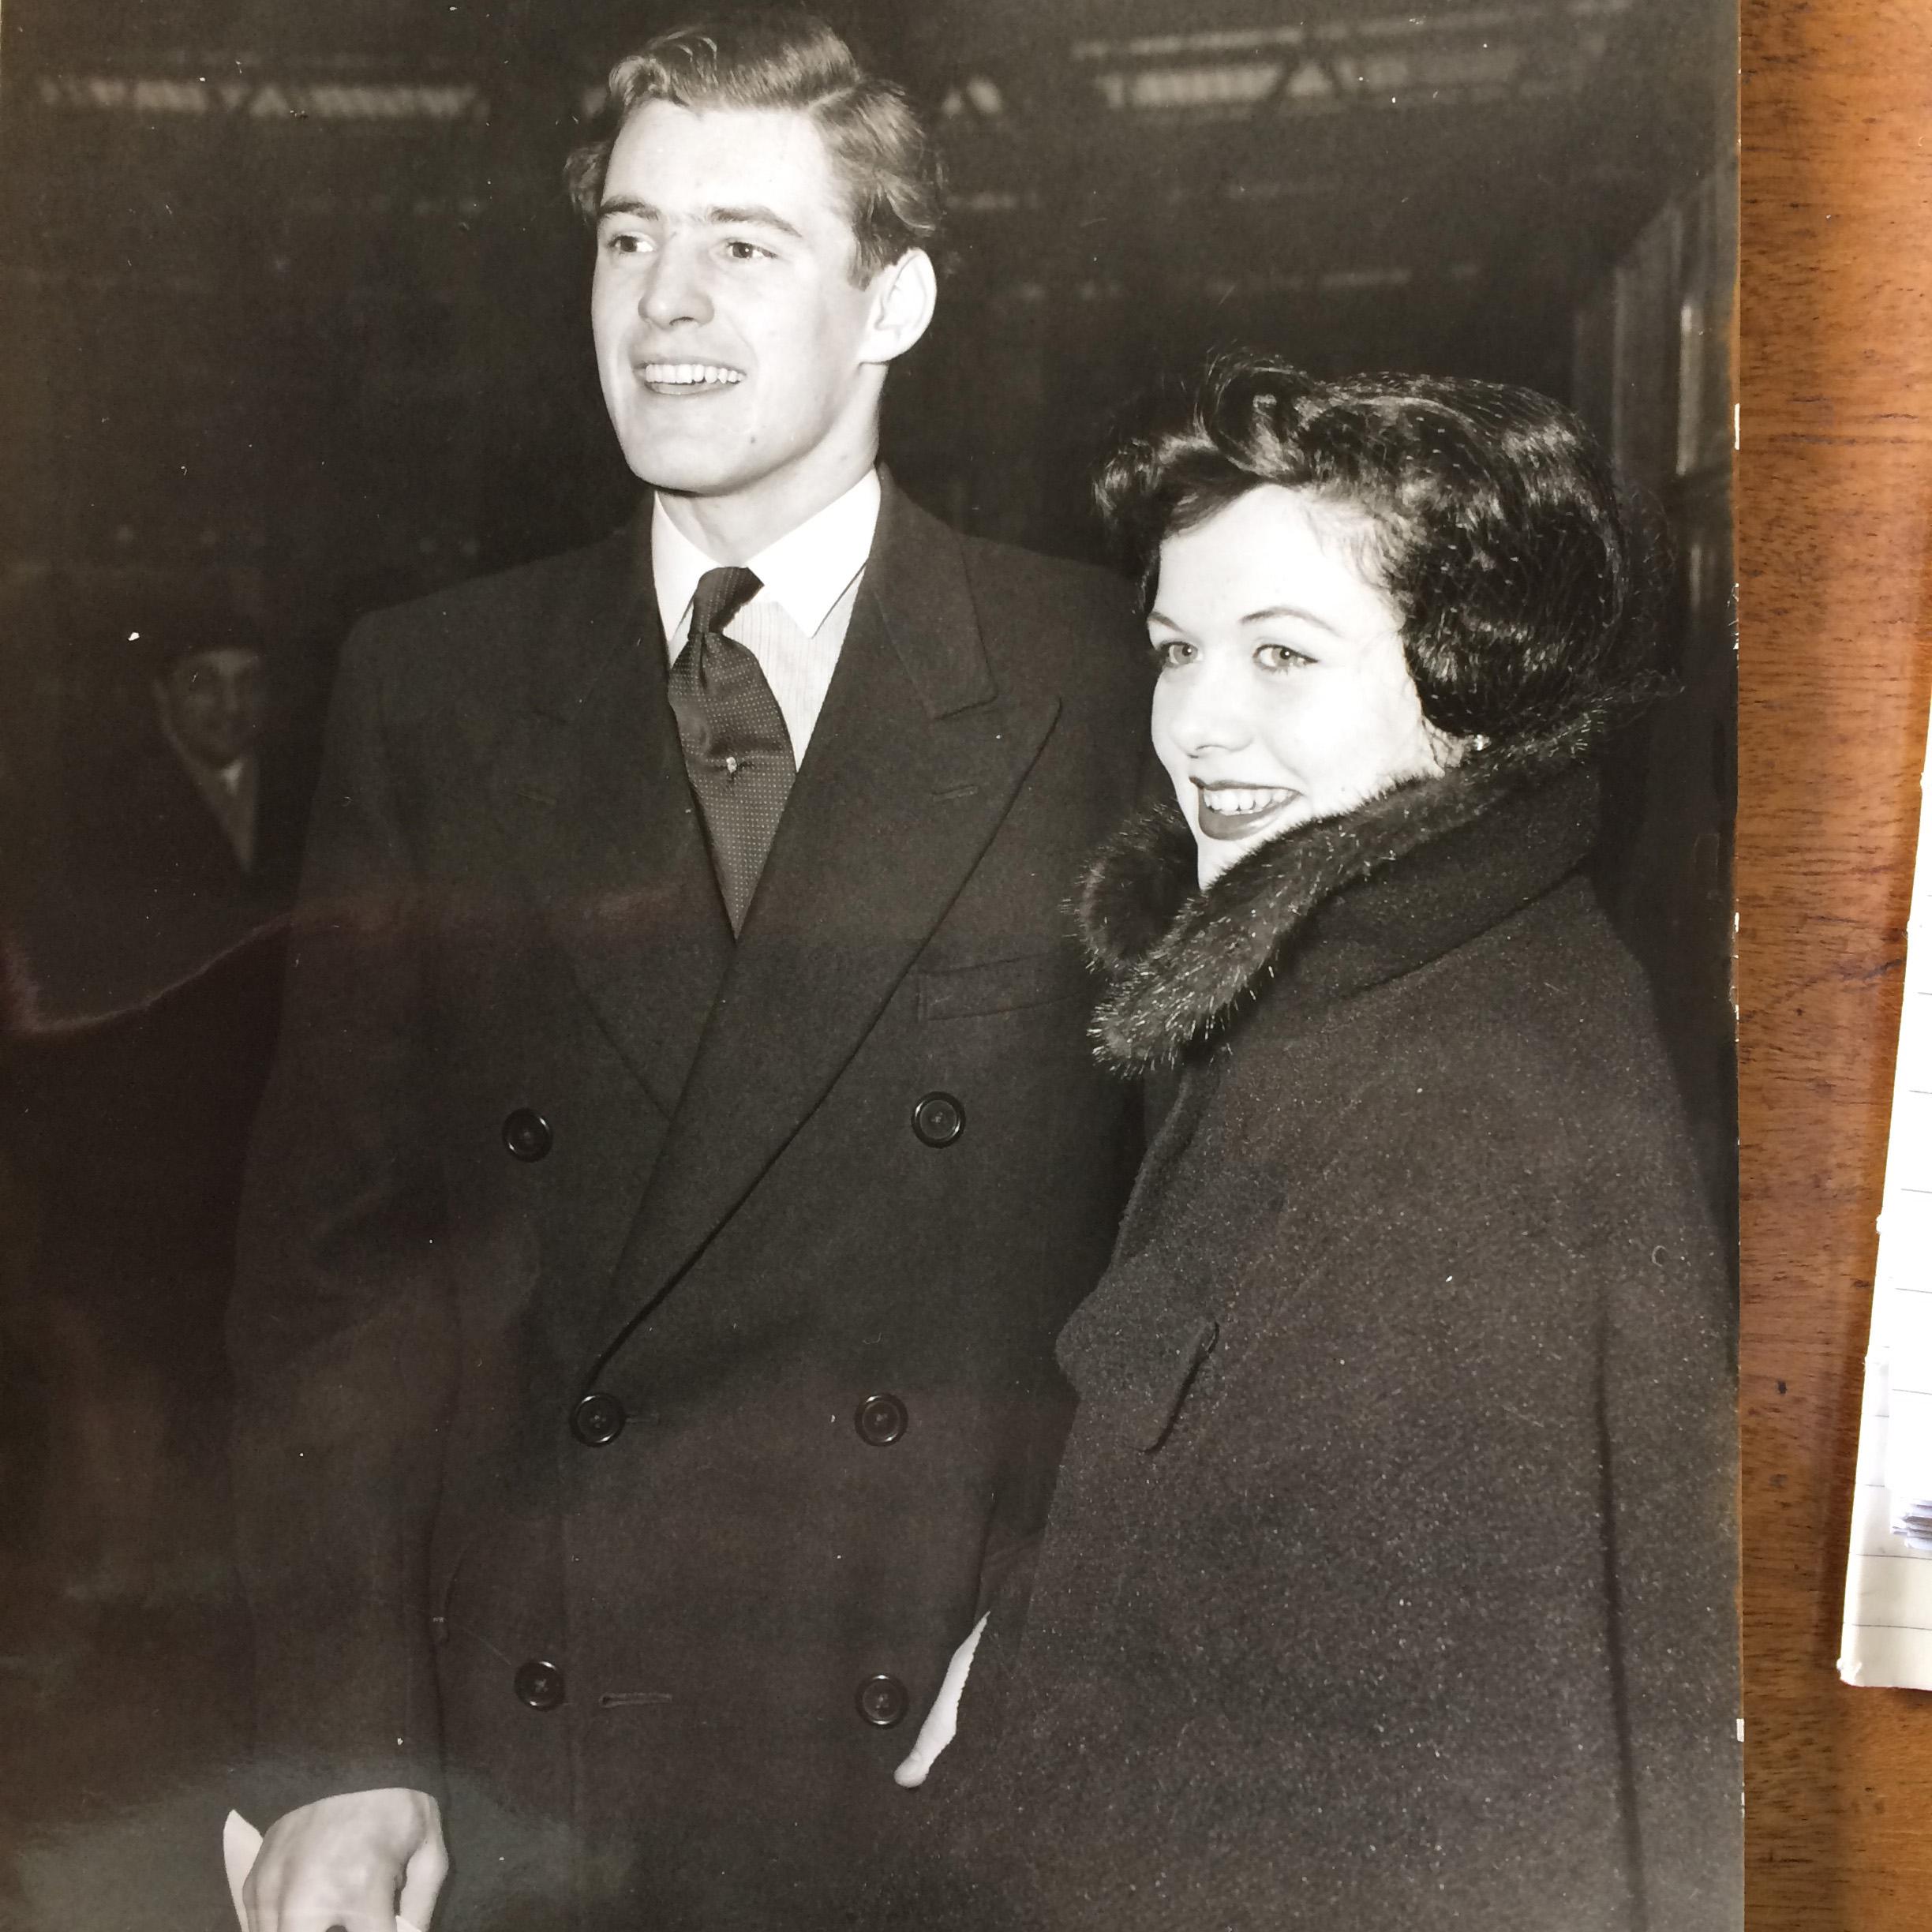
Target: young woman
[(1389, 1578)]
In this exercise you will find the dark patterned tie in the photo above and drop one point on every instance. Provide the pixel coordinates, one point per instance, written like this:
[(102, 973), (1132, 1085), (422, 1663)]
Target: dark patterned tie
[(737, 750)]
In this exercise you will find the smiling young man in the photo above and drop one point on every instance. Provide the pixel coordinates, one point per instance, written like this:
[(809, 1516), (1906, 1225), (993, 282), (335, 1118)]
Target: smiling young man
[(684, 1146)]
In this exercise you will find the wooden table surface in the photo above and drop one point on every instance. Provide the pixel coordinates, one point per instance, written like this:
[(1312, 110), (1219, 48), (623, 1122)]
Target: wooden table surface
[(1834, 482)]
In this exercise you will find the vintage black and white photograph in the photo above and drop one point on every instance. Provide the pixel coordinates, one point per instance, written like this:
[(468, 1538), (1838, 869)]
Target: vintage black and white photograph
[(866, 1040)]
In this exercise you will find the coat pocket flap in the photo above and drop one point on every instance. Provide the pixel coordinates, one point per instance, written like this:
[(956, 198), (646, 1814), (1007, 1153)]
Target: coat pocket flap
[(1133, 1350), (998, 986)]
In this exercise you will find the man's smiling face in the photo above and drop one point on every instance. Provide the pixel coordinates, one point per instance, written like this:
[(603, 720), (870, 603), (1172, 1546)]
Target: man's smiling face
[(740, 362)]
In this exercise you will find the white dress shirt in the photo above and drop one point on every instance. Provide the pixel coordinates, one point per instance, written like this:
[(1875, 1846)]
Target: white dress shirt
[(795, 626), (231, 791)]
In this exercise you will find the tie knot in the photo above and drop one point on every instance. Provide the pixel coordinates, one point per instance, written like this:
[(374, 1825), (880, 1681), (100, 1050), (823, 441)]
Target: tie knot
[(721, 594)]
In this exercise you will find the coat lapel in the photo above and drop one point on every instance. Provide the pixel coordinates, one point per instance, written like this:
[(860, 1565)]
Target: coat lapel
[(910, 769), (588, 785)]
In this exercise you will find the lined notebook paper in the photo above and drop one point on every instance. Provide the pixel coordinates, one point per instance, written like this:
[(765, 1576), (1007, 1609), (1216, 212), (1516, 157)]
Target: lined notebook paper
[(1888, 1614)]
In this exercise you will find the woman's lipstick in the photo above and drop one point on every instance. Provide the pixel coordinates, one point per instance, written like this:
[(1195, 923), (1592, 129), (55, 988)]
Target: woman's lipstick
[(1239, 811)]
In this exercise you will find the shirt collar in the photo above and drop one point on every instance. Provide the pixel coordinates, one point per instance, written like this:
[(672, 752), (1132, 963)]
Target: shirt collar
[(228, 777), (807, 570)]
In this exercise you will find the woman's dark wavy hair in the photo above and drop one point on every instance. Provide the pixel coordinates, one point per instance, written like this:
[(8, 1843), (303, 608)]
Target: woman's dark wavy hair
[(786, 61), (1527, 587)]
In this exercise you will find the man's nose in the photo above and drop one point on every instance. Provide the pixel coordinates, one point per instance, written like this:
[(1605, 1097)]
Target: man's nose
[(674, 288)]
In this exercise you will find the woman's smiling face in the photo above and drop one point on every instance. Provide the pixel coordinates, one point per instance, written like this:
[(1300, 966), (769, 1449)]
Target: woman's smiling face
[(1283, 694)]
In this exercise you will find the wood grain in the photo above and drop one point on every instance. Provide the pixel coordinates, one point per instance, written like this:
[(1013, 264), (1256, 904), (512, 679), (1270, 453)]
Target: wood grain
[(1834, 482)]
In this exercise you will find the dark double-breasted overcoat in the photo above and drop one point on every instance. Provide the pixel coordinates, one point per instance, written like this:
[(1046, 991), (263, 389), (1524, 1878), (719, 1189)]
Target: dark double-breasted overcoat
[(645, 1341)]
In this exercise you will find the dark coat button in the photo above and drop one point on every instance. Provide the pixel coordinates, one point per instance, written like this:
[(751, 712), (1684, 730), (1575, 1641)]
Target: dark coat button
[(597, 1419), (526, 1135), (539, 1685), (882, 1701), (880, 1420), (937, 1119)]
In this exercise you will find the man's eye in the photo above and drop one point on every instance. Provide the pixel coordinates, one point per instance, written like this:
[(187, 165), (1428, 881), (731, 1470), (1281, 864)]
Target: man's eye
[(745, 252), (621, 242)]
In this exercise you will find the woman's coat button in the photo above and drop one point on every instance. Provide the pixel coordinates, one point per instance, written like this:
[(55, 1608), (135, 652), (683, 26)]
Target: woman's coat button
[(882, 1701), (880, 1420), (526, 1135)]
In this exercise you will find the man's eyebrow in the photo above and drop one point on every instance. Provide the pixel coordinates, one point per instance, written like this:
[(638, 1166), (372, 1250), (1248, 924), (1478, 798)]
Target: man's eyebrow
[(752, 215)]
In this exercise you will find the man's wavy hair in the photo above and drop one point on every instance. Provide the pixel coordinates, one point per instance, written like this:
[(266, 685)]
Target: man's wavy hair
[(1526, 585), (787, 62)]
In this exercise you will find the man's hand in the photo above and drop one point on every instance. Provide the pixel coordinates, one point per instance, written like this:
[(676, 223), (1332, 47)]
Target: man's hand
[(356, 1861)]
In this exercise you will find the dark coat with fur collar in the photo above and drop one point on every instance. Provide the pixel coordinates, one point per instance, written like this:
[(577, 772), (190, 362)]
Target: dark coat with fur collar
[(1389, 1578)]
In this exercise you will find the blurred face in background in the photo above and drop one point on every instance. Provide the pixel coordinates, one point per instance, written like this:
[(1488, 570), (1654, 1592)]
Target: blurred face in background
[(215, 701), (1283, 694)]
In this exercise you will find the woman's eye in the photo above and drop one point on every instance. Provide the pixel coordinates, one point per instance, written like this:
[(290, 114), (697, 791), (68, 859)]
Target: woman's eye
[(1279, 657), (1170, 653)]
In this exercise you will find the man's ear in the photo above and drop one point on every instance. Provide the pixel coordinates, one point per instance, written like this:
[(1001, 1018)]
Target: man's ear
[(904, 297)]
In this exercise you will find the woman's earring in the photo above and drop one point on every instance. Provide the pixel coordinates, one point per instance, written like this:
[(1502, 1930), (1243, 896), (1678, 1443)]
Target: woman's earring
[(1479, 742)]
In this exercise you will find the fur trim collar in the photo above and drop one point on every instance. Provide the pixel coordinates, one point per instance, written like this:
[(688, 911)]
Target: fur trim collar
[(1180, 962)]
